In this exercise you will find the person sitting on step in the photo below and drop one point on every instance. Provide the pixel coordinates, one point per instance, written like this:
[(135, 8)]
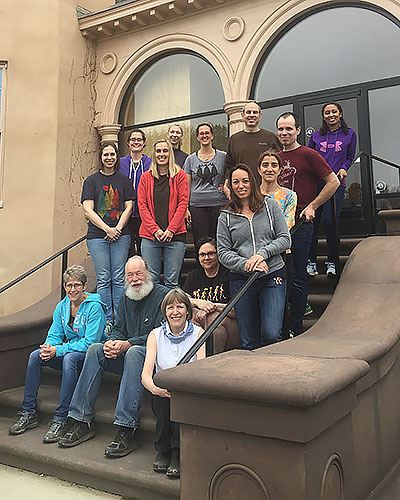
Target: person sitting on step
[(139, 312), (123, 353), (78, 321), (166, 345)]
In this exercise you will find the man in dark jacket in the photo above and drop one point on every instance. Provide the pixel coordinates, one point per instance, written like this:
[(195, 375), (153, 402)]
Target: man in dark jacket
[(139, 312)]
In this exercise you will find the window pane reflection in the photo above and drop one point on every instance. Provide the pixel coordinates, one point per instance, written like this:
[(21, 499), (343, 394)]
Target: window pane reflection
[(361, 40), (177, 85), (384, 107), (190, 142), (269, 116)]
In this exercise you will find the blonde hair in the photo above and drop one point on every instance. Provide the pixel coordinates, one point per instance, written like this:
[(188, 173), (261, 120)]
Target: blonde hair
[(173, 169), (176, 125)]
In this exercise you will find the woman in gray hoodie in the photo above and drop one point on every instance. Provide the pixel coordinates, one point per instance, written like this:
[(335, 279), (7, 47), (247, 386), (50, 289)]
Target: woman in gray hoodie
[(251, 236)]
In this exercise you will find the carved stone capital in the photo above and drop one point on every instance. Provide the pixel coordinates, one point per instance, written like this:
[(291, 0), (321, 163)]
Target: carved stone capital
[(109, 132)]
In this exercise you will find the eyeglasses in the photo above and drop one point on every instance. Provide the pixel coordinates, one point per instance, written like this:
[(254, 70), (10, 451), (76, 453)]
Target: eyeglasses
[(136, 140), (70, 286), (138, 274), (203, 255)]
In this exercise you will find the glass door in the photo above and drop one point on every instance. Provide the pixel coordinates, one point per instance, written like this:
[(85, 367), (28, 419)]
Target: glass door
[(356, 215)]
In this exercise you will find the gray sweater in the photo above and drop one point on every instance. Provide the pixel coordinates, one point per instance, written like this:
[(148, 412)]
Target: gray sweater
[(266, 234)]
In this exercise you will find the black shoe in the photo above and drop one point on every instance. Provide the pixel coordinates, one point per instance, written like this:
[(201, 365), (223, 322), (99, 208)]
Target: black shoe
[(162, 461), (55, 432), (76, 433), (174, 469), (25, 421), (122, 444)]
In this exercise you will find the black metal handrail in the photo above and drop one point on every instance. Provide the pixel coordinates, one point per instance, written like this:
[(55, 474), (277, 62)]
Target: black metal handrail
[(225, 311), (333, 203), (64, 265)]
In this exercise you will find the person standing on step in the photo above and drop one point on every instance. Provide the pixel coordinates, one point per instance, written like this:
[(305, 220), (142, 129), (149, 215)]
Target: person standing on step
[(303, 168), (166, 345), (163, 196), (336, 143), (139, 312), (133, 166), (247, 145), (78, 322), (107, 198), (205, 172), (251, 236), (175, 136)]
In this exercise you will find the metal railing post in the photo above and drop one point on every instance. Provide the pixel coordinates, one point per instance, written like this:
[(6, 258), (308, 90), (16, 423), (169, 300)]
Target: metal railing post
[(335, 233), (64, 265)]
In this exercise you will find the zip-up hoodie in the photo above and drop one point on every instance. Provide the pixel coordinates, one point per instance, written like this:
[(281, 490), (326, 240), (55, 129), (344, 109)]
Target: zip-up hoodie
[(127, 169), (87, 329), (266, 234), (337, 148)]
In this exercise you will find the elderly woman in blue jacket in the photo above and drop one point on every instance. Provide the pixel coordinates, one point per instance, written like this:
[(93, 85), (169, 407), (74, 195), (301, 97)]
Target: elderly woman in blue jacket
[(78, 322), (251, 236)]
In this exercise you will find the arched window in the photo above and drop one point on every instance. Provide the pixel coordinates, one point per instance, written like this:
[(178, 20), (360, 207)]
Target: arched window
[(345, 54), (181, 88), (331, 48)]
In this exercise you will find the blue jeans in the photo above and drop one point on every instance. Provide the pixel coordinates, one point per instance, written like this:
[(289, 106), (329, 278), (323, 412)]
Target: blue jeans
[(324, 213), (174, 252), (129, 365), (259, 313), (70, 365), (109, 259), (301, 242)]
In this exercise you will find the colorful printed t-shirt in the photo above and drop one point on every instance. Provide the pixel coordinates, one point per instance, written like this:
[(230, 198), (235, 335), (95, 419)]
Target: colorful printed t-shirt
[(109, 193), (287, 200), (199, 286)]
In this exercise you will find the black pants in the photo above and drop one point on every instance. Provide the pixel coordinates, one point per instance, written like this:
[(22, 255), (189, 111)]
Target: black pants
[(204, 222), (133, 226), (167, 432)]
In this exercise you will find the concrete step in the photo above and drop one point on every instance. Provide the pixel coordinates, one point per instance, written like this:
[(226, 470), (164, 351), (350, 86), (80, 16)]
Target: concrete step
[(130, 476), (11, 401), (345, 248)]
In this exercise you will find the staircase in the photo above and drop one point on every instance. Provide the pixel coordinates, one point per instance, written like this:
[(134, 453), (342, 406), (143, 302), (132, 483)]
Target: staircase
[(130, 476), (321, 287)]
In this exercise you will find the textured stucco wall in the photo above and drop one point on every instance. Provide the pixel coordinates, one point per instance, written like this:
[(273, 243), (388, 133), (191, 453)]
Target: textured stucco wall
[(49, 141)]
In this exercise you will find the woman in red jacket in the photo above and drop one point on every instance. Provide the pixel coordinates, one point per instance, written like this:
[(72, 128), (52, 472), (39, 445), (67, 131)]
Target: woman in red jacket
[(163, 197)]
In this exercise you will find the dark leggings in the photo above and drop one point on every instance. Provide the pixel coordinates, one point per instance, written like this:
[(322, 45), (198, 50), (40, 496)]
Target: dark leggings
[(204, 221), (167, 432)]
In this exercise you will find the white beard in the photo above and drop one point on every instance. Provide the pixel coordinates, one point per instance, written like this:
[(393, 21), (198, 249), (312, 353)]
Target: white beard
[(140, 294)]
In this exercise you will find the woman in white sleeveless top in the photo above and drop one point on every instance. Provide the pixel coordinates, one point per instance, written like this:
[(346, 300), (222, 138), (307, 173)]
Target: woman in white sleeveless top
[(166, 345)]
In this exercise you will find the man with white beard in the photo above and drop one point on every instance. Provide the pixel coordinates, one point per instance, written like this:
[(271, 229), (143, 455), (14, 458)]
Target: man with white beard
[(139, 312)]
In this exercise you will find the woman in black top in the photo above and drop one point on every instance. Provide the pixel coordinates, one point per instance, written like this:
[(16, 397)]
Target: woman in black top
[(210, 280)]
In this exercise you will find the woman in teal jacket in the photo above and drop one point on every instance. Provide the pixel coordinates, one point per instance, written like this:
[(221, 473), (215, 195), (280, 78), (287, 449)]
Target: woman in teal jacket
[(78, 322)]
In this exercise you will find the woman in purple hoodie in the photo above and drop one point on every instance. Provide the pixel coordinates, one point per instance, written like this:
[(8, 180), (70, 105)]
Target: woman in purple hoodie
[(336, 143), (133, 166)]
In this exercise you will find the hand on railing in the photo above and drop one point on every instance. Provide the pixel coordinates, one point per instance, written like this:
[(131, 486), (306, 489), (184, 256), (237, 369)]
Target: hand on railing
[(225, 311)]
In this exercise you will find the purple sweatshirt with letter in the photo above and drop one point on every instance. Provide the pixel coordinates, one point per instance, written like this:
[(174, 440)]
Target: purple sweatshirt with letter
[(337, 148)]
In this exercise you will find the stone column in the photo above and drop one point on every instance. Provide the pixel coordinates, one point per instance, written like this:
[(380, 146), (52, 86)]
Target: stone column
[(234, 109), (109, 132)]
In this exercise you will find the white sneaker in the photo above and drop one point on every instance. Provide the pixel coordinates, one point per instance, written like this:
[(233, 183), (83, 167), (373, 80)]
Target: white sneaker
[(330, 269), (312, 268)]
